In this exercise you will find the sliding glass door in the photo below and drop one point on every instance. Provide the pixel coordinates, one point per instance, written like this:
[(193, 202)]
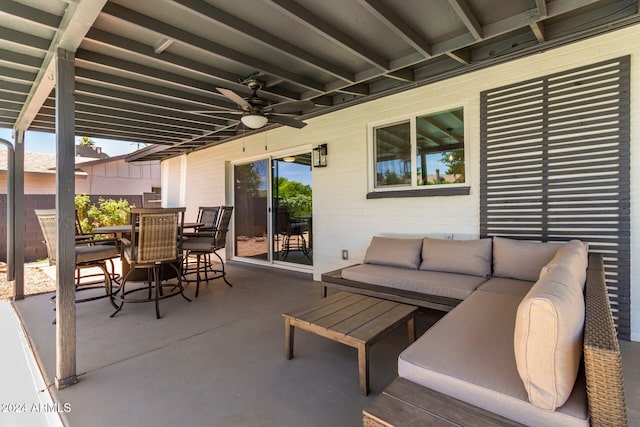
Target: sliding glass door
[(273, 207), (292, 208), (251, 197)]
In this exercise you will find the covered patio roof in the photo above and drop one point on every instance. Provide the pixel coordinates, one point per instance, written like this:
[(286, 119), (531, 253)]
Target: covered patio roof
[(173, 73), (147, 70)]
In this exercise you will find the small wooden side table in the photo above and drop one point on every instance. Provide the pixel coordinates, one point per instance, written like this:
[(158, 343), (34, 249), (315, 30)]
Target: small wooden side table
[(355, 320)]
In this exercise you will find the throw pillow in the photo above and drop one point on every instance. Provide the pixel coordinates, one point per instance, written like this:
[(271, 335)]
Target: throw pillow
[(522, 260), (394, 252), (471, 257)]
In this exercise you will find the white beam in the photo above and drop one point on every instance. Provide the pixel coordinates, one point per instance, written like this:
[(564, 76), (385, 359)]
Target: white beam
[(76, 22)]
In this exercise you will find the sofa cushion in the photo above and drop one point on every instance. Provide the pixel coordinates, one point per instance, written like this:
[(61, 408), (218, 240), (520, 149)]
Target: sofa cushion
[(468, 354), (574, 256), (471, 257), (522, 260), (548, 337), (450, 285), (502, 285), (394, 252)]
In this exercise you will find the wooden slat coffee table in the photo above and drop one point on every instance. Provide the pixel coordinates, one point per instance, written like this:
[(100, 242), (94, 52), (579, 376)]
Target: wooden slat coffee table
[(355, 320)]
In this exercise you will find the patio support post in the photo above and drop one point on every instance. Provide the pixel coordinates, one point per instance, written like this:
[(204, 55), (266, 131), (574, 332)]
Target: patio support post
[(10, 210), (65, 194), (18, 212)]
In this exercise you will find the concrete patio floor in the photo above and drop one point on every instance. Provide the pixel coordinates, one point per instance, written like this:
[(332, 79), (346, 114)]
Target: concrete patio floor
[(219, 360)]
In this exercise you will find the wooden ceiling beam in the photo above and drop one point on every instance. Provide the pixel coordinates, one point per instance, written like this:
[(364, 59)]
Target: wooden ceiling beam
[(467, 17), (208, 47), (217, 76), (398, 25), (267, 40), (72, 28), (311, 21)]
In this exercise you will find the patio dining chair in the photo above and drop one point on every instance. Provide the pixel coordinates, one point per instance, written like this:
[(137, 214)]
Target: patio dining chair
[(87, 254), (156, 246), (205, 244), (208, 217), (90, 239), (289, 229)]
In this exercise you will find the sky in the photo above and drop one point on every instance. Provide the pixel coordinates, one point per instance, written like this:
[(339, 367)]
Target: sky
[(40, 142)]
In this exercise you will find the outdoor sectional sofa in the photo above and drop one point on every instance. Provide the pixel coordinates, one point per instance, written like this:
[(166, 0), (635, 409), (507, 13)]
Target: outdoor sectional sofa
[(522, 343)]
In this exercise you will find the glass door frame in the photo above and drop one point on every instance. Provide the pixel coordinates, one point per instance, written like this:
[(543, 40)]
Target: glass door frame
[(269, 157)]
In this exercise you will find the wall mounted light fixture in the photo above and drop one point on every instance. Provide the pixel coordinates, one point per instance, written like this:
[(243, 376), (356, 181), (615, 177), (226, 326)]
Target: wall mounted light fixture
[(320, 156)]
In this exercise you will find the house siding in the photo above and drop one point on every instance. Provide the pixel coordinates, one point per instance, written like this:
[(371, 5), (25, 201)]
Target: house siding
[(345, 219), (116, 177), (119, 177)]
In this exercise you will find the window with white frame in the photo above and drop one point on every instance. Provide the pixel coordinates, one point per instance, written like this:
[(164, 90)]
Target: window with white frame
[(420, 151)]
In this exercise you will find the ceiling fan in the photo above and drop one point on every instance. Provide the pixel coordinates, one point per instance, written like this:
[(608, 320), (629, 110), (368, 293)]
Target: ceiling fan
[(257, 112)]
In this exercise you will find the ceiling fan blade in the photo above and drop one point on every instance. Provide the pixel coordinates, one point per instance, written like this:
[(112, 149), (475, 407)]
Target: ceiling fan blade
[(215, 112), (287, 121), (234, 97), (291, 107), (240, 127)]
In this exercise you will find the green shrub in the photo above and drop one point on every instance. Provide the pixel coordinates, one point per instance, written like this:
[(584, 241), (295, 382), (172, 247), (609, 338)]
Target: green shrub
[(108, 212)]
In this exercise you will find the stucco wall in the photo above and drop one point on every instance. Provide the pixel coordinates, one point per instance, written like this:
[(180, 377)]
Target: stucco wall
[(38, 183), (119, 177), (116, 177), (345, 219)]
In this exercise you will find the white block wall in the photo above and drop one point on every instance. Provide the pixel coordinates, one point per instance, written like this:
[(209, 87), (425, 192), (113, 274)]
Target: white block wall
[(345, 219)]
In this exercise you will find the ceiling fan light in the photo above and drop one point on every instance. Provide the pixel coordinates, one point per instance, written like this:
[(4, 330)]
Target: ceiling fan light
[(254, 121)]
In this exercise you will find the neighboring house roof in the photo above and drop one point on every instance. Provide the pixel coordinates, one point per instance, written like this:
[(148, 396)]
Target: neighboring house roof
[(46, 163), (85, 161)]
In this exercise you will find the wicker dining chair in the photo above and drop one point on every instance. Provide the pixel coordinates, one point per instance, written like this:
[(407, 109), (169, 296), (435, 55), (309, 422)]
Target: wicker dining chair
[(155, 245), (87, 254), (87, 238), (205, 244)]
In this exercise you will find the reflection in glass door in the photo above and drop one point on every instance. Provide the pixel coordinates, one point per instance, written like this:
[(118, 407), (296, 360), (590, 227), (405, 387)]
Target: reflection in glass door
[(292, 208), (250, 214)]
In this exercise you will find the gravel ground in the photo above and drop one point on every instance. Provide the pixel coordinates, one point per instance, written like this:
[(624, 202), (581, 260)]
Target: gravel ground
[(35, 280)]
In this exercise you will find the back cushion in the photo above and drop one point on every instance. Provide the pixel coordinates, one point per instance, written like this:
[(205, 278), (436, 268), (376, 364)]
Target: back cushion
[(573, 256), (471, 257), (394, 252), (548, 337), (517, 259)]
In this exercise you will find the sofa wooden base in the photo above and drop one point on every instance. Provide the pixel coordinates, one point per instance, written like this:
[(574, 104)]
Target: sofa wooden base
[(406, 404), (334, 280)]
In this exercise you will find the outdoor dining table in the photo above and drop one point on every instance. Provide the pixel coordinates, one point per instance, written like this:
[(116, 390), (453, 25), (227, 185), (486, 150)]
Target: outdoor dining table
[(119, 230)]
